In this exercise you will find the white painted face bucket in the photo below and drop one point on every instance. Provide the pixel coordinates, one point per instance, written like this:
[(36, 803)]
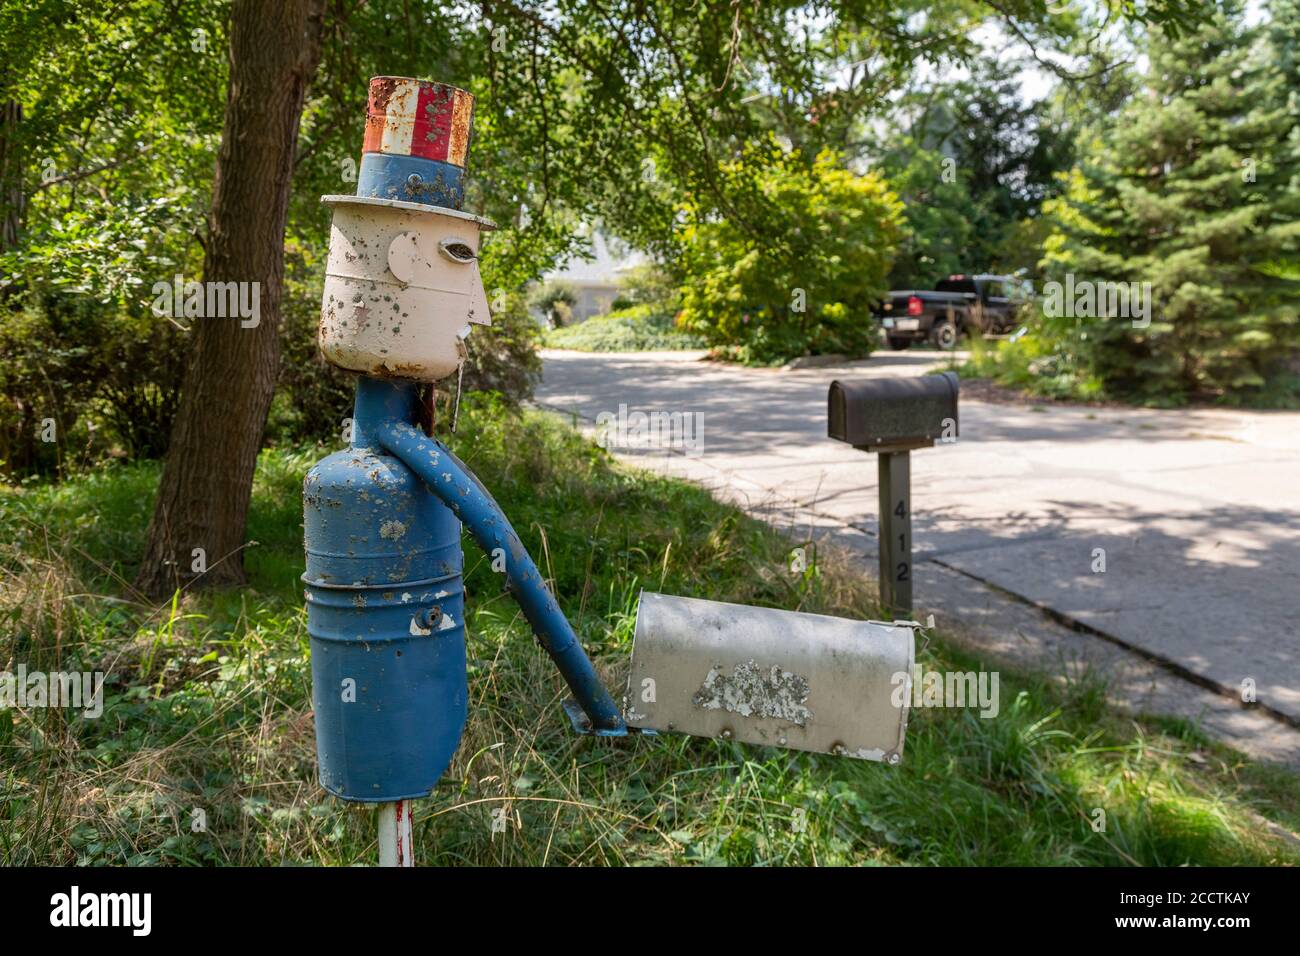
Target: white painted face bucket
[(766, 676), (402, 288)]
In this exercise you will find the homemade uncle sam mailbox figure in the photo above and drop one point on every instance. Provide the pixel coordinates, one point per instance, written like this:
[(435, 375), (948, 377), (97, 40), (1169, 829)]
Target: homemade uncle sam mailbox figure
[(383, 521)]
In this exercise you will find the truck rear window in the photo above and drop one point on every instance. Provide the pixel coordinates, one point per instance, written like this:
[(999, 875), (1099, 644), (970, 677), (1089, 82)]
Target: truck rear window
[(955, 285)]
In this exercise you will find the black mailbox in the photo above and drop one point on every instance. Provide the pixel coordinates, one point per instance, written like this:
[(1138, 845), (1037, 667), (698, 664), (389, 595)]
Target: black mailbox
[(893, 413), (892, 416)]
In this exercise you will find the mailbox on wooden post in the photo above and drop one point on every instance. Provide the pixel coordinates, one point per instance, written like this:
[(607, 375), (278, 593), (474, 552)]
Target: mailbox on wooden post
[(892, 416)]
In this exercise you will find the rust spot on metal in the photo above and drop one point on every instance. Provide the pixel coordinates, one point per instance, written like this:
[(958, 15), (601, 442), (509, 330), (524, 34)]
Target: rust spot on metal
[(381, 91)]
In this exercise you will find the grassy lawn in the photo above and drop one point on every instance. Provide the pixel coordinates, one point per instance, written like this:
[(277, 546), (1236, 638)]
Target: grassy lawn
[(637, 329), (208, 707)]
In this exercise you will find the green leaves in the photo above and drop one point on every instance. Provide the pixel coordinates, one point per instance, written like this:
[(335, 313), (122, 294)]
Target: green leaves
[(800, 277)]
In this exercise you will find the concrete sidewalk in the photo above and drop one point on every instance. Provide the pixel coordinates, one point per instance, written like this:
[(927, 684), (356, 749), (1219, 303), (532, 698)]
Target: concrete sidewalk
[(1196, 512)]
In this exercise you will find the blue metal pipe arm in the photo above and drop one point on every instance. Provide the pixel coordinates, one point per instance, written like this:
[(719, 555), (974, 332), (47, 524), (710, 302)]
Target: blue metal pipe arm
[(449, 478)]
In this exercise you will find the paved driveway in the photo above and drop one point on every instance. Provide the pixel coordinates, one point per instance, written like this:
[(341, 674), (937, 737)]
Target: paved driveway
[(1198, 512)]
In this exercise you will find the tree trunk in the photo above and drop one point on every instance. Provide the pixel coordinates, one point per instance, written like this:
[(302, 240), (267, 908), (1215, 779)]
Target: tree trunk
[(11, 174), (207, 477)]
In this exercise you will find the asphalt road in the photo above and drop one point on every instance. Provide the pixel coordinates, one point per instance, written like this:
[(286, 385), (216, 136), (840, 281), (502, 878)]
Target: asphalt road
[(1198, 512)]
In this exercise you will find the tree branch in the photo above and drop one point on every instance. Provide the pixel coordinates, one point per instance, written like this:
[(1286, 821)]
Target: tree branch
[(86, 173)]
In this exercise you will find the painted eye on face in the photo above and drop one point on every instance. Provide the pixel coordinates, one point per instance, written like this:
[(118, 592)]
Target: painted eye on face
[(456, 250)]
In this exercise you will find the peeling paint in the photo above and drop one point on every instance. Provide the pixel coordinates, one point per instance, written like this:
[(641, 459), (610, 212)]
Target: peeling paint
[(392, 530), (753, 692)]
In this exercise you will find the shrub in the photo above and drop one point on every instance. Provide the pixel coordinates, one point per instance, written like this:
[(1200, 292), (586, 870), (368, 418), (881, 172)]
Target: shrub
[(503, 357), (798, 276), (88, 378), (648, 284), (1032, 362), (81, 348), (634, 329), (555, 301)]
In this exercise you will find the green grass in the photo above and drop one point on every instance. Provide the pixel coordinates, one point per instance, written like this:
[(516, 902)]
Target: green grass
[(1029, 365), (209, 707), (637, 329)]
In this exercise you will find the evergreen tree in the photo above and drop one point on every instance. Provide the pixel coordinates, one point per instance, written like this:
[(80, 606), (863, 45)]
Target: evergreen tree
[(1192, 190), (1283, 51)]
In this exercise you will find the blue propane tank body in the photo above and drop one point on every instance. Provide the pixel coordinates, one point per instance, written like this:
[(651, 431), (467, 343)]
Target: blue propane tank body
[(385, 611)]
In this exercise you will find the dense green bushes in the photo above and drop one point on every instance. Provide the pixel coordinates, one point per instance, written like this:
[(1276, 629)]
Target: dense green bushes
[(633, 329), (83, 379), (80, 380), (798, 276)]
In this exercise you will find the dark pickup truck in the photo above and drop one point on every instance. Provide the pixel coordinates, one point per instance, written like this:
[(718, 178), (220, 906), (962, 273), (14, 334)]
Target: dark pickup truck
[(960, 304)]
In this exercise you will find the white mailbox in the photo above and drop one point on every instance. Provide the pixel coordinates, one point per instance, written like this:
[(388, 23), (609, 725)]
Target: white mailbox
[(767, 676)]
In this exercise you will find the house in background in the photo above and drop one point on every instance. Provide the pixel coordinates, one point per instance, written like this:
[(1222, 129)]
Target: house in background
[(595, 280)]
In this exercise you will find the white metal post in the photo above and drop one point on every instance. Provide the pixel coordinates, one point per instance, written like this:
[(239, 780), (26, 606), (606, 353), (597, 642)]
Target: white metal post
[(395, 834)]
